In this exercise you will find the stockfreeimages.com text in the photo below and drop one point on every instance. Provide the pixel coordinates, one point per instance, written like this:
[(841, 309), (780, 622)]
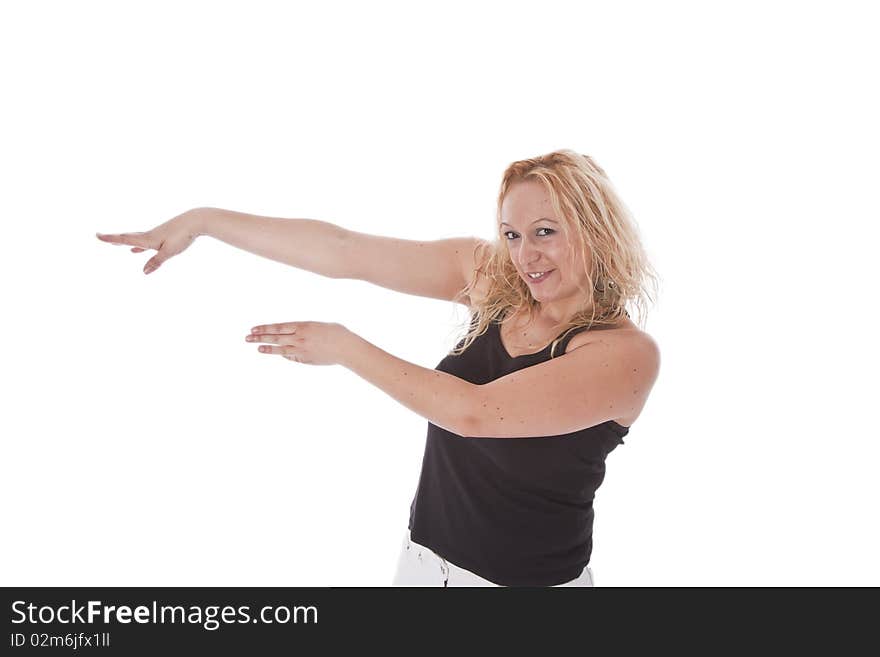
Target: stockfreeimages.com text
[(210, 617)]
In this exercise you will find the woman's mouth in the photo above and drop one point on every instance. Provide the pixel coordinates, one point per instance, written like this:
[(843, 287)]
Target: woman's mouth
[(538, 277)]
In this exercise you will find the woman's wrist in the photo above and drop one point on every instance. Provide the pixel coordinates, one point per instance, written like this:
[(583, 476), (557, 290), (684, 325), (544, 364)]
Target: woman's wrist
[(349, 345), (198, 220)]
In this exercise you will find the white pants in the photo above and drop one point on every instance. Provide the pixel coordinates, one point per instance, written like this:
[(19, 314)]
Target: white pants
[(420, 566)]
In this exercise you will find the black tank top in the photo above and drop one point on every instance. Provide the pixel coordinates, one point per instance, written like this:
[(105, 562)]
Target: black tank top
[(515, 511)]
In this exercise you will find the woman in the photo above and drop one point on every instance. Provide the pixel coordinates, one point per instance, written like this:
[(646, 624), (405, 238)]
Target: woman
[(551, 359)]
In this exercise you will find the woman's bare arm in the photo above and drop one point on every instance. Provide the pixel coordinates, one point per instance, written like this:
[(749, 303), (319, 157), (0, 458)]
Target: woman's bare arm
[(438, 269)]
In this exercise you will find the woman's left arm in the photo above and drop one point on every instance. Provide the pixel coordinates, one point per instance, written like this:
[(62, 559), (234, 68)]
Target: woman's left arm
[(605, 379)]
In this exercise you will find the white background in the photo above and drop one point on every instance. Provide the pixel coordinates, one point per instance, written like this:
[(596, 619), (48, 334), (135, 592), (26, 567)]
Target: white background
[(145, 443)]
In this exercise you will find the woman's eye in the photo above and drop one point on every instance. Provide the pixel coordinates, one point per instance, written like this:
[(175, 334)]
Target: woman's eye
[(550, 231)]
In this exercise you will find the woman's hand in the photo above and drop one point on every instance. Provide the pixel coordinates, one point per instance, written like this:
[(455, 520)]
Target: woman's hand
[(312, 343), (169, 239)]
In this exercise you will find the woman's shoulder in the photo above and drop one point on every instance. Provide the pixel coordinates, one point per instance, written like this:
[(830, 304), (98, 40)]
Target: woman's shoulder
[(624, 330), (636, 347)]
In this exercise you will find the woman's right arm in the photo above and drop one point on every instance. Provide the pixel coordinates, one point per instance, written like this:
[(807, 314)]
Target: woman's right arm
[(438, 269)]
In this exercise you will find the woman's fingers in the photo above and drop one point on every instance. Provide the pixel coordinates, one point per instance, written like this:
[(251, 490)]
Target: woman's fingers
[(154, 262), (140, 240), (112, 239), (279, 350), (279, 339), (275, 338), (277, 344), (269, 329)]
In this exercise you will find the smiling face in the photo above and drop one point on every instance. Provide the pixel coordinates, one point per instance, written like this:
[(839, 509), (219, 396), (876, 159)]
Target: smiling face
[(536, 244)]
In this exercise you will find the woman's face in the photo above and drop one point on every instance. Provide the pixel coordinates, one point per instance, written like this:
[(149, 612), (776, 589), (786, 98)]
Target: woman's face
[(534, 238)]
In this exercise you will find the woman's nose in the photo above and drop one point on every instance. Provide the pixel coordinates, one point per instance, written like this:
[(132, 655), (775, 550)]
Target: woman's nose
[(529, 254)]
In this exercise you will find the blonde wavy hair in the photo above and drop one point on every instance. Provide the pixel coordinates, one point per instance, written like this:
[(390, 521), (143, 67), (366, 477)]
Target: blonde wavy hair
[(596, 221)]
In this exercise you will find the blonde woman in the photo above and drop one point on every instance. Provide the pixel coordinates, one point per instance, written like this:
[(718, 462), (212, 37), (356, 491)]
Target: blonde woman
[(549, 377)]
